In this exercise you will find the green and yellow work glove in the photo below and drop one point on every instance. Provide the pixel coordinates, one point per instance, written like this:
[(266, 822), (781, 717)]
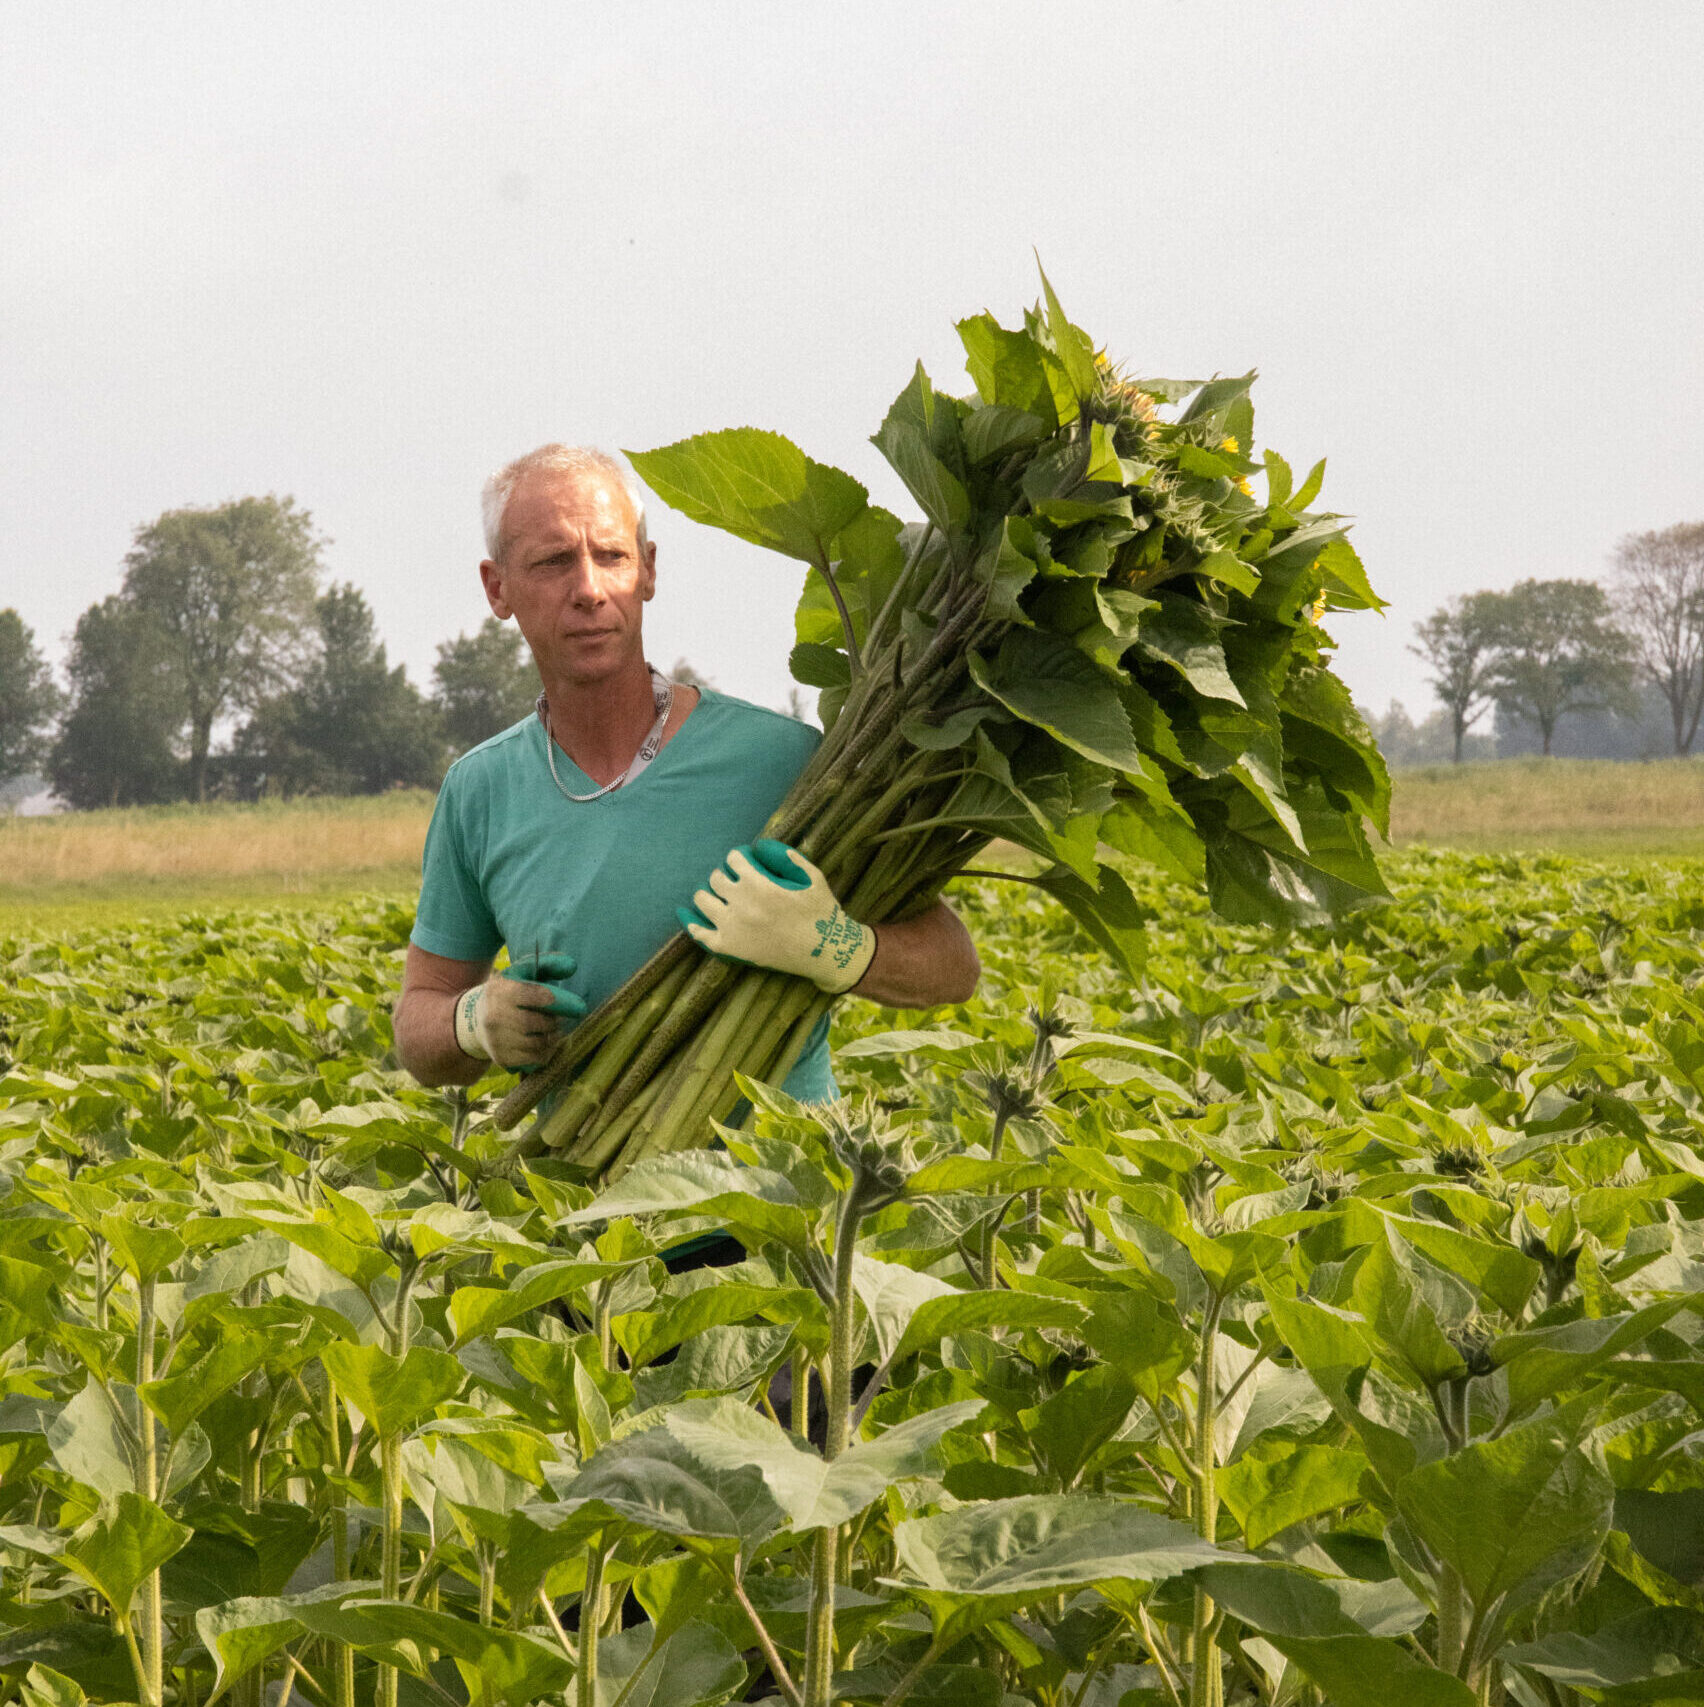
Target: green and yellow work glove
[(769, 906), (516, 1017)]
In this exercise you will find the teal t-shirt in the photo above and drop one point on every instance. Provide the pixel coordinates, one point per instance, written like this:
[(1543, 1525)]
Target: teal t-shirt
[(510, 862)]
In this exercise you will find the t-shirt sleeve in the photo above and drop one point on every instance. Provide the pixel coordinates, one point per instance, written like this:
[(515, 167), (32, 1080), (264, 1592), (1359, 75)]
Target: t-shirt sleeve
[(454, 919)]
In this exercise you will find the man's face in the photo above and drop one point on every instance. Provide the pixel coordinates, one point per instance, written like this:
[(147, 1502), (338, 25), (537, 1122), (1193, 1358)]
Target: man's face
[(571, 574)]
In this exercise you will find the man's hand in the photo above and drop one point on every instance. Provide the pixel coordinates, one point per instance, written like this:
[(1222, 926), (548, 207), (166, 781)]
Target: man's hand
[(515, 1018), (769, 906)]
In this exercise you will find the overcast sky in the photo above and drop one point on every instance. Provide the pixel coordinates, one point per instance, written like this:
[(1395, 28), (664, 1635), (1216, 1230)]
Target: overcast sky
[(361, 254)]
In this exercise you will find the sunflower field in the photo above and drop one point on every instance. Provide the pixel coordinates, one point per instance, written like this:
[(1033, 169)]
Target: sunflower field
[(1312, 1318)]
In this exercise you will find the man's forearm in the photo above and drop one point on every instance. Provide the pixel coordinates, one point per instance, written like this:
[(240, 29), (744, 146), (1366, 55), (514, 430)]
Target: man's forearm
[(922, 963), (426, 1047)]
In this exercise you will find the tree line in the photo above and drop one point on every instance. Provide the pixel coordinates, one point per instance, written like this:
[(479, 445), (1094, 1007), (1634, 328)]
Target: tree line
[(222, 625), (1545, 650)]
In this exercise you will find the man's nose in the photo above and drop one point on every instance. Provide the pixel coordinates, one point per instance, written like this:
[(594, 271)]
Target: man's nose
[(589, 583)]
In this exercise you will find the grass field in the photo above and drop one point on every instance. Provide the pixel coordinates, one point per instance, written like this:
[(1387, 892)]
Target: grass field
[(1592, 807), (112, 866)]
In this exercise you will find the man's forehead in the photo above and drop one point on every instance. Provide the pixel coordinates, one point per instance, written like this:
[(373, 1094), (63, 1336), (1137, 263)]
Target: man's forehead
[(554, 498)]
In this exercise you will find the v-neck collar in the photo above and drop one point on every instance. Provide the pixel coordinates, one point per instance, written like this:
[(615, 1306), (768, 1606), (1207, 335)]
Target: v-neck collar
[(704, 695)]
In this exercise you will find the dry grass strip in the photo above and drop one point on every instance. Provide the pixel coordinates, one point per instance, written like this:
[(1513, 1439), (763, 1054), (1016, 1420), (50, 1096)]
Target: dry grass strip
[(287, 840)]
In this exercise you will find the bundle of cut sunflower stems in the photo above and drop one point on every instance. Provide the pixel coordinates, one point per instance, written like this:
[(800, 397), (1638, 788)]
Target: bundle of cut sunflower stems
[(1098, 637)]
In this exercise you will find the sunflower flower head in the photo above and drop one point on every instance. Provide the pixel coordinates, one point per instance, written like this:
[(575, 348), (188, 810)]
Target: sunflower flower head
[(1129, 397)]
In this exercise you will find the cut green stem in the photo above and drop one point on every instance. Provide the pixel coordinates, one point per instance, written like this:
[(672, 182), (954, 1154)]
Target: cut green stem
[(819, 1635), (151, 1679)]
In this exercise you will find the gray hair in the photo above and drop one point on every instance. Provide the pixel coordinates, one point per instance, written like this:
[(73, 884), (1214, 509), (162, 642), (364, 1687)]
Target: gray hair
[(553, 459)]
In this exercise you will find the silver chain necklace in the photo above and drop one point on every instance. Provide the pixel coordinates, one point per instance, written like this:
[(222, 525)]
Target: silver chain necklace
[(662, 696)]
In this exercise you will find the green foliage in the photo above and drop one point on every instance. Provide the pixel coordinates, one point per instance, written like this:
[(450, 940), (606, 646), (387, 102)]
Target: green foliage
[(1311, 1318), (350, 725), (759, 486), (1660, 604), (1458, 642), (227, 595), (1097, 635), (29, 699), (115, 743), (1096, 596), (1557, 651), (483, 682), (1540, 651)]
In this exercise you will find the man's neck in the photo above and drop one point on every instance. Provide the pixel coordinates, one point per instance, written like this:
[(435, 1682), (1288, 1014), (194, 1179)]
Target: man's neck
[(600, 725)]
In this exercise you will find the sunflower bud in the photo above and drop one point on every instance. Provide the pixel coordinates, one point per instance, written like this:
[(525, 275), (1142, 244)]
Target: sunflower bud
[(1472, 1344)]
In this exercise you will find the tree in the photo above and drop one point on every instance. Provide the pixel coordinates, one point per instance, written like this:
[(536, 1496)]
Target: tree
[(1406, 743), (353, 726), (687, 676), (1557, 651), (230, 591), (1637, 730), (483, 682), (1456, 640), (1660, 599), (115, 745), (29, 699)]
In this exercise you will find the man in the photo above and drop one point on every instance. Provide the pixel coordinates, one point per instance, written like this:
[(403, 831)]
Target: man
[(573, 837)]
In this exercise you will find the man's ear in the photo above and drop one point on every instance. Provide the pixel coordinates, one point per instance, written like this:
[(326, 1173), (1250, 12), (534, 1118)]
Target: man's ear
[(492, 577), (648, 583)]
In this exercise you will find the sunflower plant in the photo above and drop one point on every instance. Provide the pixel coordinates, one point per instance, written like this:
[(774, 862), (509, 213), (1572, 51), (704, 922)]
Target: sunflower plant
[(1098, 639)]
